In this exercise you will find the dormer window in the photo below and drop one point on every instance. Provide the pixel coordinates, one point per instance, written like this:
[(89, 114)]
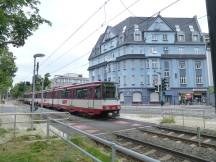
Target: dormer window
[(181, 37), (195, 37), (121, 38), (177, 28), (124, 29), (137, 33), (191, 28)]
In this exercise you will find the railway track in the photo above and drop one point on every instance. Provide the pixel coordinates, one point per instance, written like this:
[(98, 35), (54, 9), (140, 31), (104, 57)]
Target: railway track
[(162, 147), (191, 139)]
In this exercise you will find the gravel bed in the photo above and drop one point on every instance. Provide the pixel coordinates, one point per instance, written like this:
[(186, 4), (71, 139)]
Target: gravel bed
[(206, 132), (174, 134), (143, 149), (172, 145)]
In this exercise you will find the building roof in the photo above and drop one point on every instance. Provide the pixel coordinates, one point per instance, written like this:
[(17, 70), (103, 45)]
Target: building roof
[(144, 23)]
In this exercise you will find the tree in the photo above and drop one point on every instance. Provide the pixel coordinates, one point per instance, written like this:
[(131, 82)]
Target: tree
[(7, 70), (47, 81), (19, 18), (20, 88)]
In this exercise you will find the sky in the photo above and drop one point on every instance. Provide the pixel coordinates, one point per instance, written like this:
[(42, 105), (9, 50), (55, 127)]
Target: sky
[(68, 15)]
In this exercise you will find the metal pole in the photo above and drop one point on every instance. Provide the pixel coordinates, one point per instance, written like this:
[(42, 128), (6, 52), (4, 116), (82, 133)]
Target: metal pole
[(210, 6), (42, 93), (183, 117), (198, 136), (33, 92), (204, 118), (113, 152), (14, 126), (48, 123)]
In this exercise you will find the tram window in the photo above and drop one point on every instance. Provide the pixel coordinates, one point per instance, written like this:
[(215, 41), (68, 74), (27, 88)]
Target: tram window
[(109, 91), (65, 93), (82, 93), (97, 92)]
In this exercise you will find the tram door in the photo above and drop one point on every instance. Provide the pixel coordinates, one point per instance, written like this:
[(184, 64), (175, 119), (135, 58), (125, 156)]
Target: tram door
[(91, 98)]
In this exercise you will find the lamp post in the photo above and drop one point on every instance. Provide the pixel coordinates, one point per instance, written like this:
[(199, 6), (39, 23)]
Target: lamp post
[(33, 83)]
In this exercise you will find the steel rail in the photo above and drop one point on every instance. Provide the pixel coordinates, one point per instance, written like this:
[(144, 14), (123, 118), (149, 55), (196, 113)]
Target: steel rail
[(114, 146), (178, 138), (197, 159)]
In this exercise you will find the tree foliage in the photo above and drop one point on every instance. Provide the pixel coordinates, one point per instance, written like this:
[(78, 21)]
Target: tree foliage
[(7, 69), (19, 18), (20, 88)]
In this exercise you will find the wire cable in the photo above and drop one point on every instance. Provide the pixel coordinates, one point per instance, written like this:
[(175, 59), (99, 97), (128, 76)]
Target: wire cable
[(73, 33)]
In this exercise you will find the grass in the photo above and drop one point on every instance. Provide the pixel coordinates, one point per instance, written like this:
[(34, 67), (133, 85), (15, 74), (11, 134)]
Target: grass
[(168, 119), (3, 132), (92, 148), (40, 151)]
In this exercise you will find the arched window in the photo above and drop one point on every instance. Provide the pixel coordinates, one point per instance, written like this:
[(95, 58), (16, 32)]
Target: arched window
[(121, 97), (137, 97)]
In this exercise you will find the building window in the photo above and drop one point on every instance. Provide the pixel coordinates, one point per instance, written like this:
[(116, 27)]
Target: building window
[(124, 80), (147, 64), (183, 80), (148, 79), (191, 28), (137, 36), (166, 73), (142, 79), (181, 50), (177, 28), (198, 79), (181, 37), (165, 37), (165, 49), (132, 64), (141, 64), (196, 50), (118, 66), (153, 51), (154, 37), (124, 65), (155, 79), (166, 65), (154, 64), (198, 65), (133, 80), (182, 65), (109, 68), (195, 37), (119, 80)]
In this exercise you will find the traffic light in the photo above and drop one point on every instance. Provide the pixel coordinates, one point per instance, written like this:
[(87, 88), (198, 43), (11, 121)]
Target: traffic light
[(164, 84), (157, 88)]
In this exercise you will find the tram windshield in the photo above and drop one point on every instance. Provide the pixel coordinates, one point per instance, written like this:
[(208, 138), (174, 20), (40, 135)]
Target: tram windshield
[(109, 91)]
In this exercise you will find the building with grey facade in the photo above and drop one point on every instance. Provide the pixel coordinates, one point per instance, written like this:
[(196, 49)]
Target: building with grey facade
[(68, 79), (139, 51)]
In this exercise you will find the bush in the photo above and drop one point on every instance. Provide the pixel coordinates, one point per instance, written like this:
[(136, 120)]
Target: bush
[(168, 119), (3, 132)]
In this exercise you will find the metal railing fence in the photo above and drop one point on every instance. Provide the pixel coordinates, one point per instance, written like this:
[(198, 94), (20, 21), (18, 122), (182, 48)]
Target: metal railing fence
[(114, 147)]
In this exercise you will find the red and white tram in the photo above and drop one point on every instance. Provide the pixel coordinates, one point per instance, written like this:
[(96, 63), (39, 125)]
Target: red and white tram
[(93, 99)]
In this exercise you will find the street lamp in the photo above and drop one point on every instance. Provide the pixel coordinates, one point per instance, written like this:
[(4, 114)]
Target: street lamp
[(33, 81)]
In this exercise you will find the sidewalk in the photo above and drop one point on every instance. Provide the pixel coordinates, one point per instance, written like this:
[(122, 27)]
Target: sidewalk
[(179, 120)]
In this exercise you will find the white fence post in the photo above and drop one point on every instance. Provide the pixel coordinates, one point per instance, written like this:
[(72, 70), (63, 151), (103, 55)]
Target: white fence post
[(14, 125)]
